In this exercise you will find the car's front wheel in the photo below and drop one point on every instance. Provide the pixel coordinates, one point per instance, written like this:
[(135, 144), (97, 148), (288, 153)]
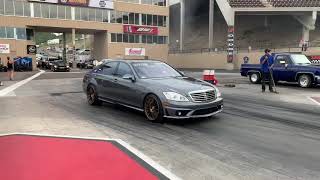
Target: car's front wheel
[(153, 108), (305, 81), (92, 96)]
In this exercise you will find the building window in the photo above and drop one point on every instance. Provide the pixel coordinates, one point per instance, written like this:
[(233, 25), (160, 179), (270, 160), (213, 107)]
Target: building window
[(125, 17), (99, 15), (10, 32), (155, 20), (21, 33), (144, 19), (19, 8), (61, 12), (160, 20), (92, 14), (77, 13), (125, 38), (84, 14), (106, 17), (119, 17), (113, 37), (149, 20), (53, 11), (37, 9), (26, 9), (131, 18), (119, 37), (146, 2), (149, 39), (131, 38), (68, 12), (1, 6), (30, 34), (3, 32), (137, 38), (113, 16), (144, 38), (45, 11), (137, 19)]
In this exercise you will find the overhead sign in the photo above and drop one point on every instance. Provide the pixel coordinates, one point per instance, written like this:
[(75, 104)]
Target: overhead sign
[(135, 51), (106, 4), (4, 48), (31, 49), (132, 29)]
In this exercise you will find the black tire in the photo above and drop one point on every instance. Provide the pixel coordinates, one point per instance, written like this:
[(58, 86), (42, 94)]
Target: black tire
[(153, 109), (305, 81), (92, 96), (255, 78)]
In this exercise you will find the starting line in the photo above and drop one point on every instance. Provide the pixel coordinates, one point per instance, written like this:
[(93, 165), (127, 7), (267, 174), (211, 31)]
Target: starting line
[(38, 157)]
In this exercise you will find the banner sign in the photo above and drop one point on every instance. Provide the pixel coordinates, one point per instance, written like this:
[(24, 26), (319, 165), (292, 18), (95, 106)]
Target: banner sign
[(31, 49), (230, 44), (314, 59), (4, 48), (105, 4), (135, 51), (132, 29)]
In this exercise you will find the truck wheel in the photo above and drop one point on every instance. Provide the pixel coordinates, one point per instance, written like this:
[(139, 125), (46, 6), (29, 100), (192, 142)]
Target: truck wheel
[(305, 81), (254, 78)]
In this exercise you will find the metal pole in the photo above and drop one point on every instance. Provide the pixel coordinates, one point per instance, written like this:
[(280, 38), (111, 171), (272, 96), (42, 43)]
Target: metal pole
[(211, 21), (182, 23), (74, 65)]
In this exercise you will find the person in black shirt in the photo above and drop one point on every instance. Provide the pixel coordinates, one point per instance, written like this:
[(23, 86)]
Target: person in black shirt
[(10, 68)]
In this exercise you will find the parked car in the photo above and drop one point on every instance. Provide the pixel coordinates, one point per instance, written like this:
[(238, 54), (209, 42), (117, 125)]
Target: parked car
[(49, 62), (60, 66), (287, 67), (152, 87)]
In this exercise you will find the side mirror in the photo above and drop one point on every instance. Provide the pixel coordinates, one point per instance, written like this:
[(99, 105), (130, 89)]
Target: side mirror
[(129, 77)]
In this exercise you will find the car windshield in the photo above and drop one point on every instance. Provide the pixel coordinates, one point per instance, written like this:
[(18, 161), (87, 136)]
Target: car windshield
[(300, 59), (147, 70), (59, 63)]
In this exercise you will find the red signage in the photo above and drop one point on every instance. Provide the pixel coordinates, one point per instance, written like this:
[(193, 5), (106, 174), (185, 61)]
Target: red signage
[(132, 29)]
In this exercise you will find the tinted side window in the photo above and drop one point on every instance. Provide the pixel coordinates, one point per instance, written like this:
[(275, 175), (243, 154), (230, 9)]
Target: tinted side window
[(123, 70), (109, 68)]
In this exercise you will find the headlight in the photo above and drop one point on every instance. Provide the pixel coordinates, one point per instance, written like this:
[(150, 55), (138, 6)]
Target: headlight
[(218, 93), (175, 96), (67, 66), (55, 66)]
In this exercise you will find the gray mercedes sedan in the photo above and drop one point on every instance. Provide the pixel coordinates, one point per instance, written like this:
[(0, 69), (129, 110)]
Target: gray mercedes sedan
[(152, 87)]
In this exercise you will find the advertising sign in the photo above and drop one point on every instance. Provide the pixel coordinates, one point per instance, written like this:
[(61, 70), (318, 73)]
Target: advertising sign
[(132, 29), (23, 64), (106, 4), (314, 59), (230, 44), (135, 51), (31, 49), (4, 48)]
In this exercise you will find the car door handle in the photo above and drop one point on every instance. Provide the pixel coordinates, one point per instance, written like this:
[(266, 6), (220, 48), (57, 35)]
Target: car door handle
[(115, 80)]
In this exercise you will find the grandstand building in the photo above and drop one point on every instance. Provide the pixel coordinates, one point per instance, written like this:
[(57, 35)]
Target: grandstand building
[(219, 33)]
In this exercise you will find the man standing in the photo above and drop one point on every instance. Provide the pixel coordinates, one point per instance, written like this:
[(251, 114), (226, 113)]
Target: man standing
[(266, 62)]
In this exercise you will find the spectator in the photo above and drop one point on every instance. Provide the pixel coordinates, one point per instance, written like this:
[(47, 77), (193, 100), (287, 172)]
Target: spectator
[(10, 68)]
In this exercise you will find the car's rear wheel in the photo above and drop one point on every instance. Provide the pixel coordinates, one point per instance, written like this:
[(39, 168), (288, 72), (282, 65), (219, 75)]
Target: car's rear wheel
[(254, 78), (153, 108), (305, 81), (92, 96)]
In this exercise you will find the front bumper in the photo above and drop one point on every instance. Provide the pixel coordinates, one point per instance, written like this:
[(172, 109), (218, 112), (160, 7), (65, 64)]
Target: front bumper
[(61, 69), (185, 110)]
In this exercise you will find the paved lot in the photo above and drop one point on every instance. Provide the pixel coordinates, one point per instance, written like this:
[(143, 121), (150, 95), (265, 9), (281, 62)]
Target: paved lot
[(258, 136)]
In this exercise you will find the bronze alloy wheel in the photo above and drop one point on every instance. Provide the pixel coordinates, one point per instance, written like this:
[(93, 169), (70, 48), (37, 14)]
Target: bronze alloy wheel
[(92, 97), (153, 108)]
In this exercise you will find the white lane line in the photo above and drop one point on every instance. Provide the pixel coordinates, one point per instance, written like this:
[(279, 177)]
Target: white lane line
[(13, 87), (318, 103), (148, 160)]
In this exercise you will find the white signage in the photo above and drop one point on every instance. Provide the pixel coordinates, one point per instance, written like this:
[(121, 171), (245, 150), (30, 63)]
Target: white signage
[(107, 4), (4, 48), (135, 51)]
